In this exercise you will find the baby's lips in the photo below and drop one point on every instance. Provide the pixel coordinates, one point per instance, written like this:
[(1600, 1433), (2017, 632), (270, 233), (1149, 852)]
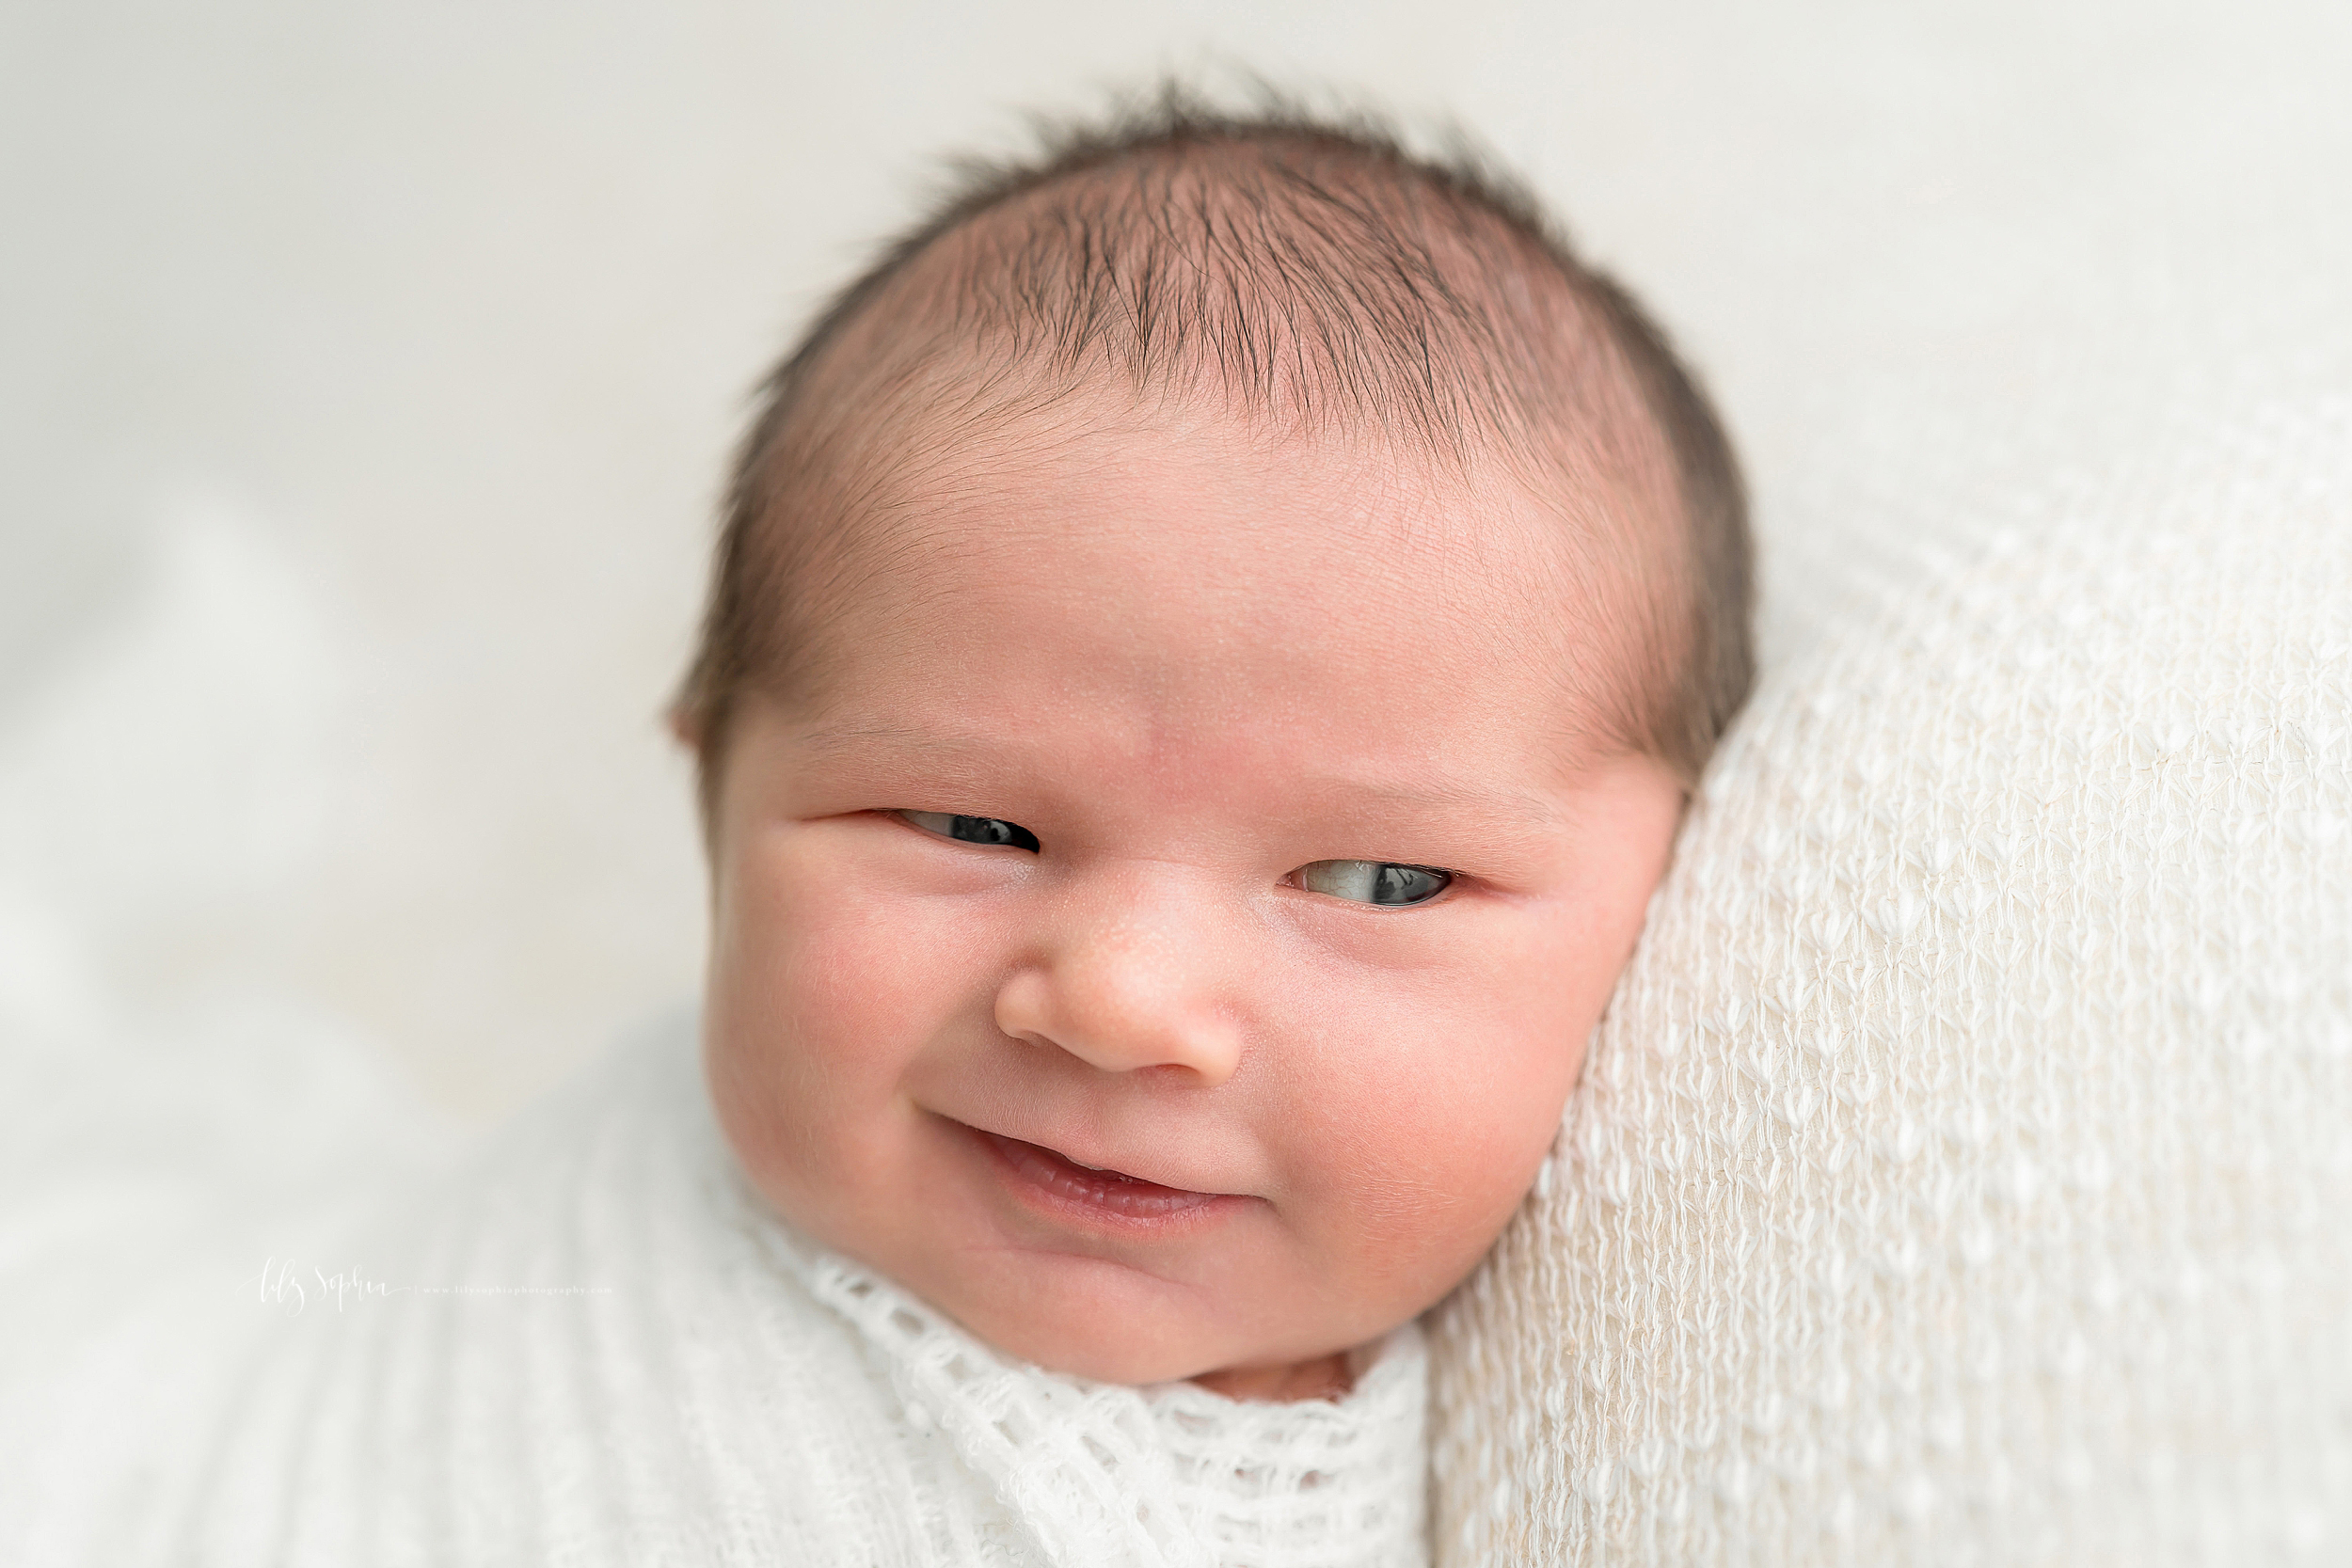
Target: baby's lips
[(1064, 1184), (1079, 1168)]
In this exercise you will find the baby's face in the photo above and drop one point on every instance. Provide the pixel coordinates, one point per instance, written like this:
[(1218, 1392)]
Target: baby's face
[(1167, 937)]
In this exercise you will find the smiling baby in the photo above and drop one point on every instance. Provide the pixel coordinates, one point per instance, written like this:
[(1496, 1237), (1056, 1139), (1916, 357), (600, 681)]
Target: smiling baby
[(1208, 652), (1210, 648)]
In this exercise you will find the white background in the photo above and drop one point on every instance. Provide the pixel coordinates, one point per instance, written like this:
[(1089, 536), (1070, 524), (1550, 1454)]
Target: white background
[(367, 372)]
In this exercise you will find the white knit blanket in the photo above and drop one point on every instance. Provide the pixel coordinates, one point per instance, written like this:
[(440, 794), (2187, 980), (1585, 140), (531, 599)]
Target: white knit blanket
[(1963, 1173), (589, 1343)]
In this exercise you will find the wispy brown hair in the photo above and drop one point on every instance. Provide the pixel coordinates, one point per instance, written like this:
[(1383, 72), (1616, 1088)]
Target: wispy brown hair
[(1311, 270)]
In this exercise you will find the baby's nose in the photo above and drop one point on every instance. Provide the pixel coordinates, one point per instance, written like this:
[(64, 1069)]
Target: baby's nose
[(1135, 971)]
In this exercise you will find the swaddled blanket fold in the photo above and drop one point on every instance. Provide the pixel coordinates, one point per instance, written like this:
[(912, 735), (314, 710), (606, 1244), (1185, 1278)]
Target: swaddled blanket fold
[(591, 1343)]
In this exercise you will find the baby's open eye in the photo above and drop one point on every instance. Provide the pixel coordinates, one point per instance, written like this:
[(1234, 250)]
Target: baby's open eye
[(971, 830), (1373, 881)]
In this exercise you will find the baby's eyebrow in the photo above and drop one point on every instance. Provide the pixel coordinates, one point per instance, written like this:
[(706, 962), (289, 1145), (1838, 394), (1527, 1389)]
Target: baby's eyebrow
[(1468, 800), (1508, 820), (1447, 794), (834, 741), (949, 761)]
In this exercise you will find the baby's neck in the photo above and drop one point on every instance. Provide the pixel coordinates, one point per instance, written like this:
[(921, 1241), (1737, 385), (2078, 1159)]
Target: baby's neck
[(1327, 1377)]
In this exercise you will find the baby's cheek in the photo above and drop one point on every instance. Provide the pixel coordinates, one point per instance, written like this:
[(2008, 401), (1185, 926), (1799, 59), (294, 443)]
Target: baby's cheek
[(1526, 1034), (823, 992), (842, 998), (1435, 1122)]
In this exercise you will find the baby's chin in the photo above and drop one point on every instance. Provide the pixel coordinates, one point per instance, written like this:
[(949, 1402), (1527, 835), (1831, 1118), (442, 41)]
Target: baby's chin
[(1110, 1322), (1093, 1347)]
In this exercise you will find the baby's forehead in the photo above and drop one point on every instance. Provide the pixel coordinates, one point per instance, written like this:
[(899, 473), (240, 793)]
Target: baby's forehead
[(1238, 564), (1099, 470)]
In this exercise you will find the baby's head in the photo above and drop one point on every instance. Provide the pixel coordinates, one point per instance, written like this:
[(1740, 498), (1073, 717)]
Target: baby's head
[(1208, 648)]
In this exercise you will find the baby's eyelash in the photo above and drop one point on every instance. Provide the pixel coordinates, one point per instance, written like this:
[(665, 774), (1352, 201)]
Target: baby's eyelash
[(1382, 884), (990, 830), (1388, 884)]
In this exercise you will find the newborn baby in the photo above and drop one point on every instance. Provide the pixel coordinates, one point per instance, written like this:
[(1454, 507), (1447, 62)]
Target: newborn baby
[(1209, 649), (1207, 657)]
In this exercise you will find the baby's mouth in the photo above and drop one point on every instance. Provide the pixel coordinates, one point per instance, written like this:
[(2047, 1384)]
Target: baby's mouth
[(1113, 1192)]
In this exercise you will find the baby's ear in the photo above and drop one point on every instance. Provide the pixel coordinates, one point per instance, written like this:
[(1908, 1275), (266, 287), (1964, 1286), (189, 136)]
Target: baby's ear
[(684, 724)]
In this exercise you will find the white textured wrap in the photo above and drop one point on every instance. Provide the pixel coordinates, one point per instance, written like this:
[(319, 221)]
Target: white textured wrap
[(1964, 1171), (590, 1344)]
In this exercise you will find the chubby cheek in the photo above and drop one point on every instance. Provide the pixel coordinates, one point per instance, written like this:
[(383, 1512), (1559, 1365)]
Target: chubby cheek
[(1442, 1149), (1436, 1123), (826, 986)]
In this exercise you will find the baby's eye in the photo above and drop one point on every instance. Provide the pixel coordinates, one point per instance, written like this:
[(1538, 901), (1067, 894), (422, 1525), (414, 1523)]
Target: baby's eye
[(971, 830), (1373, 881)]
